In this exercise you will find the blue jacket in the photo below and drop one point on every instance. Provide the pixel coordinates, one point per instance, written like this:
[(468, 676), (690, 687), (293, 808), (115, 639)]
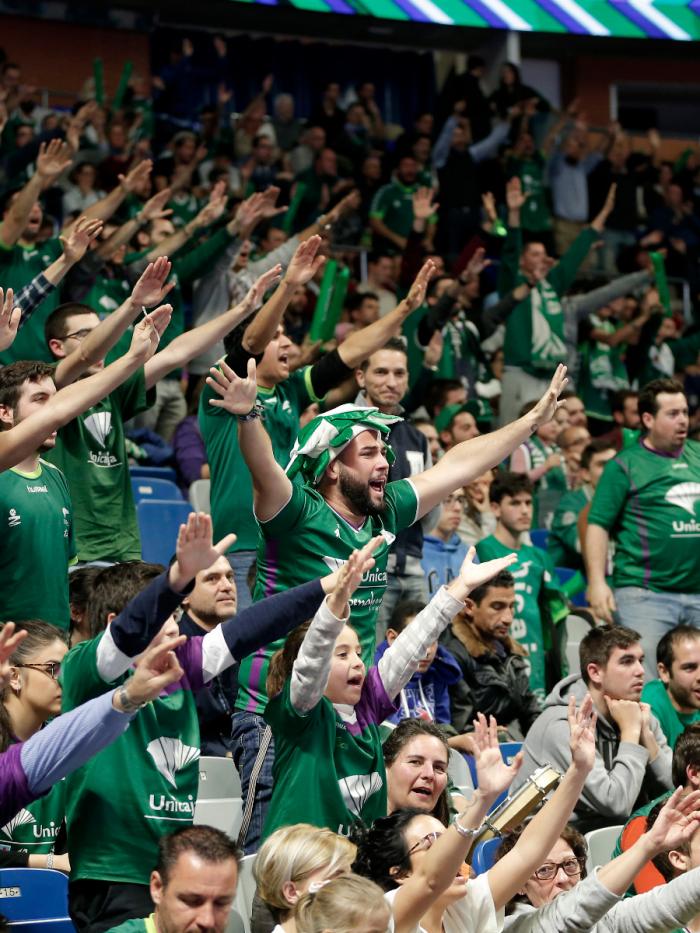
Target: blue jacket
[(426, 696), (441, 560)]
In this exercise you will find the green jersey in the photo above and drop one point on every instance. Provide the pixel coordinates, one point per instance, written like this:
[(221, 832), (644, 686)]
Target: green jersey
[(563, 545), (327, 767), (603, 370), (35, 827), (231, 482), (37, 544), (535, 214), (533, 575), (647, 501), (18, 266), (143, 785), (91, 452), (146, 925), (672, 721), (308, 539), (393, 203)]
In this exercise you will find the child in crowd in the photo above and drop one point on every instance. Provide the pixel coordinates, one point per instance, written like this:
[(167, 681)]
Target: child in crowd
[(443, 550)]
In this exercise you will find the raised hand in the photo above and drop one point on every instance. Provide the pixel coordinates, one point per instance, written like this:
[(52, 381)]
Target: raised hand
[(472, 575), (678, 820), (349, 203), (515, 198), (148, 331), (433, 352), (237, 395), (135, 177), (9, 642), (598, 223), (257, 290), (305, 262), (10, 317), (80, 236), (582, 733), (151, 288), (416, 293), (154, 208), (349, 577), (493, 774), (195, 549), (488, 202), (214, 207), (477, 263), (544, 410), (156, 669), (53, 159), (423, 208)]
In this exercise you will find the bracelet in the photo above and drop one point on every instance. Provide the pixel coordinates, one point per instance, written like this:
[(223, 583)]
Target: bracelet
[(127, 704), (255, 412), (50, 860), (466, 833)]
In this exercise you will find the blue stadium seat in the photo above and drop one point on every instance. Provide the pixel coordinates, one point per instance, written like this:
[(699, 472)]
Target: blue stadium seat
[(144, 487), (153, 472), (565, 574), (35, 899), (159, 523), (508, 752), (485, 855), (539, 537)]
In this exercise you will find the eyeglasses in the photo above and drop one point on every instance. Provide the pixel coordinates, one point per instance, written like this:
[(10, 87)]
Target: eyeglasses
[(51, 668), (425, 843), (548, 871), (79, 334)]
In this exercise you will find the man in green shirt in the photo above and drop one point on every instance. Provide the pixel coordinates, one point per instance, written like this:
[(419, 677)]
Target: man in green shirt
[(675, 697), (646, 501), (563, 544), (391, 211), (534, 343), (193, 885), (539, 602)]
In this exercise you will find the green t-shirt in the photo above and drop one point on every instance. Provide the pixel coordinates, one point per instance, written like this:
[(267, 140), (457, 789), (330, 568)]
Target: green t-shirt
[(533, 576), (18, 266), (562, 543), (672, 722), (329, 771), (90, 450), (36, 545), (308, 539), (141, 786), (647, 501), (35, 827), (393, 204), (603, 370), (535, 214), (231, 482), (147, 925)]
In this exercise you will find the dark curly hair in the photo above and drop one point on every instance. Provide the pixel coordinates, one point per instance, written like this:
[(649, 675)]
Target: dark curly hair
[(382, 847)]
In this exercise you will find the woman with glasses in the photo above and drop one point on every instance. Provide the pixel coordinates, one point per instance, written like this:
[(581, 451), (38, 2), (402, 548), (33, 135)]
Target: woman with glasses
[(559, 898), (30, 698), (420, 863)]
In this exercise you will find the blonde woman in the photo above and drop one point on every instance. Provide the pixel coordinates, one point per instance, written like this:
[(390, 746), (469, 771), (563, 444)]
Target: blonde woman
[(294, 860), (347, 905)]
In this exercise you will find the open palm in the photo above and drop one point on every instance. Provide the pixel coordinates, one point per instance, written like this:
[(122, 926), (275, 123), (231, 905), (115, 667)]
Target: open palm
[(493, 774), (473, 575)]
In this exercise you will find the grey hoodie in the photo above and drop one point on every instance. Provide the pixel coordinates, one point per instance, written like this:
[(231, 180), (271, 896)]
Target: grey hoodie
[(590, 906), (622, 773)]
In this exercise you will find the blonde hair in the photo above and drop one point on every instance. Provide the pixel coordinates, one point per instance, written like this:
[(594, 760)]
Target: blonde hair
[(295, 852), (340, 905)]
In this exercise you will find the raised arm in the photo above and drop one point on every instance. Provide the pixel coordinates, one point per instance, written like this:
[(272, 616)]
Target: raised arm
[(150, 290), (105, 207), (25, 437), (210, 213), (153, 209), (54, 157), (508, 875), (187, 346), (464, 462), (272, 488)]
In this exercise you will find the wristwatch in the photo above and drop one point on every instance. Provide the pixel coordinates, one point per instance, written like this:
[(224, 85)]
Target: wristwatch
[(126, 703)]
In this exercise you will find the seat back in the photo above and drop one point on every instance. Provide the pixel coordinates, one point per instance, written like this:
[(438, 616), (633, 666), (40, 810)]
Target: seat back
[(147, 488), (200, 495), (575, 627), (217, 778), (245, 892), (485, 855), (459, 773), (601, 843), (34, 899), (154, 472), (539, 537), (159, 523)]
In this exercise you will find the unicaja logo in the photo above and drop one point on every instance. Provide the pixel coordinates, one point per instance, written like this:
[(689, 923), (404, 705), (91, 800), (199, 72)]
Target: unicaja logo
[(170, 756), (684, 495)]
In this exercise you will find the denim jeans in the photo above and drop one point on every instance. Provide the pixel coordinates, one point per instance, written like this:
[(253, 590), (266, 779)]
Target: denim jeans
[(240, 562), (653, 614), (247, 733)]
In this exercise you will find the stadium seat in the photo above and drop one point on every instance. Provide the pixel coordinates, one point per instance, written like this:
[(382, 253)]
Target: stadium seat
[(147, 488), (35, 899), (576, 628), (235, 923), (245, 892), (485, 855), (539, 537), (200, 495), (159, 523), (459, 774), (153, 472), (218, 778), (565, 575), (601, 843)]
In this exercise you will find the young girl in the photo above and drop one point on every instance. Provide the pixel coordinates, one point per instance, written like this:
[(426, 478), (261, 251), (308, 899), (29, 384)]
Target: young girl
[(31, 697), (329, 767), (347, 905), (291, 861)]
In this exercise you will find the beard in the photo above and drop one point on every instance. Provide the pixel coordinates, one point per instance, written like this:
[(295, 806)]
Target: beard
[(358, 495), (683, 697)]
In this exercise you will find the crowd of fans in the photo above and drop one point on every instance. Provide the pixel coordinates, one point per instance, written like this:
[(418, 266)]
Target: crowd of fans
[(443, 387)]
